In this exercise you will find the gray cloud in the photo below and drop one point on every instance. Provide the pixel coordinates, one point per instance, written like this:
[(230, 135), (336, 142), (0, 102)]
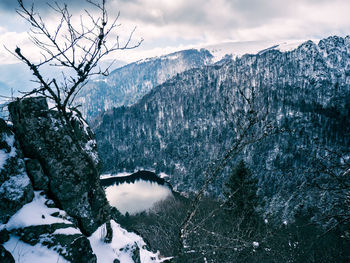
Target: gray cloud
[(11, 5), (172, 23), (221, 15)]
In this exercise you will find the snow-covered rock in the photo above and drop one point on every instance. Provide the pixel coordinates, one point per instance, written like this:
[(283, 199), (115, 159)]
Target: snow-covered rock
[(32, 227), (39, 233), (126, 247), (46, 233), (15, 186)]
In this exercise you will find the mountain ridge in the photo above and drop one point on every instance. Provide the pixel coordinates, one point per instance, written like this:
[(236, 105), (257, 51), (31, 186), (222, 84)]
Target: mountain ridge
[(126, 85)]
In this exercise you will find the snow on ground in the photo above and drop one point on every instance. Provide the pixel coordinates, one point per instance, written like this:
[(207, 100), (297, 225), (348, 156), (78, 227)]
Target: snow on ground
[(67, 231), (121, 247), (34, 213), (25, 253), (105, 176), (291, 45), (163, 175)]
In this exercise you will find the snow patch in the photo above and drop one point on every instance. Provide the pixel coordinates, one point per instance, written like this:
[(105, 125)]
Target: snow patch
[(67, 231), (12, 189), (163, 175), (122, 246), (34, 213), (89, 148), (122, 174), (25, 253), (238, 49)]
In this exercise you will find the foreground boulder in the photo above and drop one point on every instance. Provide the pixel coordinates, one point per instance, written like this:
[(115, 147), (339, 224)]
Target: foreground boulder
[(67, 154)]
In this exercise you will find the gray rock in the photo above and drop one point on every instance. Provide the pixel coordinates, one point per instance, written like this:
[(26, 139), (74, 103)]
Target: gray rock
[(15, 187), (67, 153), (4, 236), (5, 256), (39, 180), (136, 255)]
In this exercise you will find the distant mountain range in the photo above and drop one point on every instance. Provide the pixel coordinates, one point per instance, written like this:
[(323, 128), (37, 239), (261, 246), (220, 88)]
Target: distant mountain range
[(126, 85)]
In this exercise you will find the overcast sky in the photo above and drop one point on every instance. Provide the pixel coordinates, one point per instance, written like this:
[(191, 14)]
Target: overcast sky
[(168, 25)]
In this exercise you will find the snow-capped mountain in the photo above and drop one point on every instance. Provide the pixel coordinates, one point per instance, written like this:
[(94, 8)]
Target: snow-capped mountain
[(238, 49)]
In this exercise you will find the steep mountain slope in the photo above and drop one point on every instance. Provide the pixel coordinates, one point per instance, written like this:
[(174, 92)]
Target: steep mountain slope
[(126, 85), (181, 126)]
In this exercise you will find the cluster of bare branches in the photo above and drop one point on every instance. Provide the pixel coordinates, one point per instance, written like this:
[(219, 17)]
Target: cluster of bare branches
[(73, 47), (250, 125), (333, 178)]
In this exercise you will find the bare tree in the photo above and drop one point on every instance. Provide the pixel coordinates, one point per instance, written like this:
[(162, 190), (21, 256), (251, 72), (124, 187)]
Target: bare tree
[(77, 48), (250, 124), (71, 47)]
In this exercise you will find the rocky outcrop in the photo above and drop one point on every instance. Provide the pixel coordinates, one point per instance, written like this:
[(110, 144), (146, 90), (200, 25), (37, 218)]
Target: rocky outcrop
[(16, 191), (15, 187), (68, 158), (59, 160)]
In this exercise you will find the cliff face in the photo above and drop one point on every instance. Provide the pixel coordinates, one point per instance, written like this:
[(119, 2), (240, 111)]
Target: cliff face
[(181, 126), (73, 178)]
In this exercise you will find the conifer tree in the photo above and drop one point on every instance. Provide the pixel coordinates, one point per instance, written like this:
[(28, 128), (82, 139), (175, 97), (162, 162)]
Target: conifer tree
[(240, 191)]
